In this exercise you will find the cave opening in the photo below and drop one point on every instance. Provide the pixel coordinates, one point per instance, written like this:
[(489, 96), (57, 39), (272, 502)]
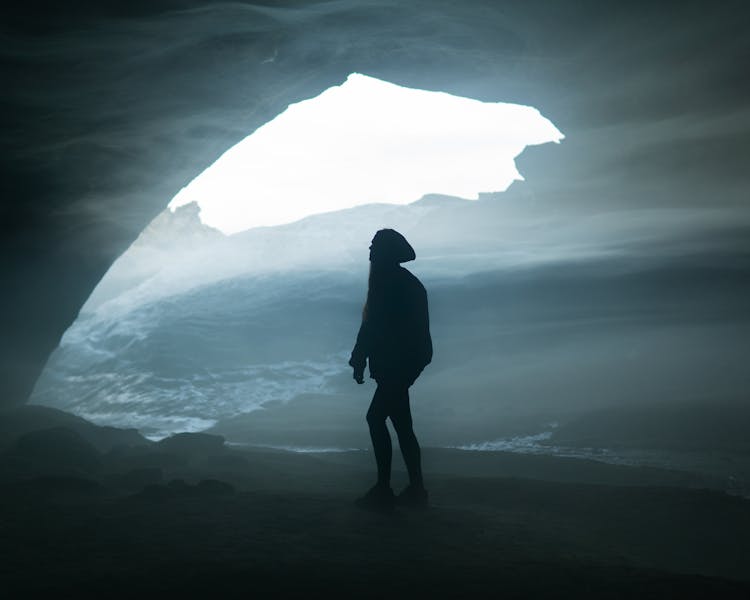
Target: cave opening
[(244, 293), (365, 141)]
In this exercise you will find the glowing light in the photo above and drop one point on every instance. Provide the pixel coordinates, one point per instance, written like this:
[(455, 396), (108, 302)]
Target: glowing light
[(365, 141)]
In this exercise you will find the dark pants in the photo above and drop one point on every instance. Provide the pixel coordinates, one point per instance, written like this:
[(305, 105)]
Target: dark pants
[(392, 400)]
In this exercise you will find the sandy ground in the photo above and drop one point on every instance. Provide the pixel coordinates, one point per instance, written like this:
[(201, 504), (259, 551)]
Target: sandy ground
[(198, 518)]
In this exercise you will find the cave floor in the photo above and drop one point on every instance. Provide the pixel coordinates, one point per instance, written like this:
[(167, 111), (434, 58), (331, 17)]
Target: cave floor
[(288, 527)]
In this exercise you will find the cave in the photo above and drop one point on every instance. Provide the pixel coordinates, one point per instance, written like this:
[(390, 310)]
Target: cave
[(110, 109)]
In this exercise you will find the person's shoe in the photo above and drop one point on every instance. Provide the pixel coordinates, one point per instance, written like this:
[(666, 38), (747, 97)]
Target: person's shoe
[(413, 496), (379, 498)]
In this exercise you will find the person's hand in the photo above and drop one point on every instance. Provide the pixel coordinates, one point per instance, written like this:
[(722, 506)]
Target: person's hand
[(359, 375)]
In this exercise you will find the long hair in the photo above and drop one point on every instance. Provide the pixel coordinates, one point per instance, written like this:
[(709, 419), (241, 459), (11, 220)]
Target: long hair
[(370, 285), (377, 281), (392, 249)]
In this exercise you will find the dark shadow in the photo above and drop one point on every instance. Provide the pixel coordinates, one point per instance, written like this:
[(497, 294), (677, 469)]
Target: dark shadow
[(394, 338)]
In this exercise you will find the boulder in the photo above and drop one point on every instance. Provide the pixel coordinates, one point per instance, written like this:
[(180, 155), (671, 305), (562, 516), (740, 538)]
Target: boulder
[(136, 479), (192, 443), (56, 449), (16, 421), (214, 487)]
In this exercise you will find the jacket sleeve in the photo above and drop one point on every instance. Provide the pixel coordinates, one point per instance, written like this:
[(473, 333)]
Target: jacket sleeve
[(417, 350), (422, 331), (361, 350)]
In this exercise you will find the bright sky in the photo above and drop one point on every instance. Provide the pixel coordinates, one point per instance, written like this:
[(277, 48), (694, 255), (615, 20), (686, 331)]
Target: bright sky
[(365, 141)]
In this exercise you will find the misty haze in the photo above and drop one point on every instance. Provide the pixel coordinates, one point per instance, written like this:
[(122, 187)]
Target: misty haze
[(542, 320), (375, 300)]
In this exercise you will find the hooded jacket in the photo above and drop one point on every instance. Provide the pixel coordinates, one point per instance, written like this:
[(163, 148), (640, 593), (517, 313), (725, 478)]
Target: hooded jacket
[(394, 336)]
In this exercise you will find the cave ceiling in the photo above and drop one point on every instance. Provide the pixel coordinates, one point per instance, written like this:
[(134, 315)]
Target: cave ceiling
[(108, 109)]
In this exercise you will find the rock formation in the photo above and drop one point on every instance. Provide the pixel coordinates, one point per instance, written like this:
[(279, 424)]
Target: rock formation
[(109, 109)]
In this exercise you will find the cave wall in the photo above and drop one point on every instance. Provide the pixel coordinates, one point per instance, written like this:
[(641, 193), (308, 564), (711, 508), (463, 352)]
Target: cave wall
[(108, 109)]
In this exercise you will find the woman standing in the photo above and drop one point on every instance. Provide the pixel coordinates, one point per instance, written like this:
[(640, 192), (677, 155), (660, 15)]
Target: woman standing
[(395, 339)]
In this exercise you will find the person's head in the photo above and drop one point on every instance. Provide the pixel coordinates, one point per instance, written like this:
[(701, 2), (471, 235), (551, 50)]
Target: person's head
[(389, 248)]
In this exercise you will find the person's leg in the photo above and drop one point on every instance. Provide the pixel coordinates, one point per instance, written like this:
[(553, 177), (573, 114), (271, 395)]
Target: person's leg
[(400, 413), (381, 439)]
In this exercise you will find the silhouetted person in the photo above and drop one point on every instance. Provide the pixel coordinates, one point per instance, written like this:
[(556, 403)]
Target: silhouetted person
[(395, 339)]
